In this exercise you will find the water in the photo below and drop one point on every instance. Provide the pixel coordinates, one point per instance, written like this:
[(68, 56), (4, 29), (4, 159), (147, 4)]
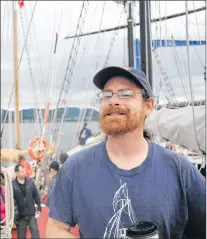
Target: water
[(29, 130)]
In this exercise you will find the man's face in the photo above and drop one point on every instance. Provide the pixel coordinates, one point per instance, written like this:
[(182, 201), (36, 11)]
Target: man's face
[(52, 172), (120, 116), (21, 173)]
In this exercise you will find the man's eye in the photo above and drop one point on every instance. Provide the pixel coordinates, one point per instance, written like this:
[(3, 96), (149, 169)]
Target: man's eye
[(125, 94), (107, 96)]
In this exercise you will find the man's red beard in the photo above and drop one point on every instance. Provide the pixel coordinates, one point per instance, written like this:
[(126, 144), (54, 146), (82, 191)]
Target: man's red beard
[(127, 122)]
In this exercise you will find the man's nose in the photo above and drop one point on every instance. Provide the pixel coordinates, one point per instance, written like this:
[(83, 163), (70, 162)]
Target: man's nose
[(114, 100)]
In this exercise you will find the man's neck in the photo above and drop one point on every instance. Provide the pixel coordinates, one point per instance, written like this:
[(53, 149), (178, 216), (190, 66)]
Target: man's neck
[(128, 150)]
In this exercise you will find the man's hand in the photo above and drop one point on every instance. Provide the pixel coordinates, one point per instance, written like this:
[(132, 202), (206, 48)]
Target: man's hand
[(56, 229), (37, 214)]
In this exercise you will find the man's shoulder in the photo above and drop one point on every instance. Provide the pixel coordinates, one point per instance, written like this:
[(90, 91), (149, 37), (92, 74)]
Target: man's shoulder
[(14, 181), (30, 181), (162, 150), (171, 159)]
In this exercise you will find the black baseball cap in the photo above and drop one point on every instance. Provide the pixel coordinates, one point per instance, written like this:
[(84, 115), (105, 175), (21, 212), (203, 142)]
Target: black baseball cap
[(133, 74)]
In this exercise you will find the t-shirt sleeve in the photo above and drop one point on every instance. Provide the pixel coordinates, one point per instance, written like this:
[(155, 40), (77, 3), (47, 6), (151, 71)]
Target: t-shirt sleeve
[(195, 186), (60, 200)]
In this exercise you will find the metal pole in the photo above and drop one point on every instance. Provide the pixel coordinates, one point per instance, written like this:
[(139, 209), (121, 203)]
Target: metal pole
[(145, 40), (130, 29), (143, 36), (149, 44)]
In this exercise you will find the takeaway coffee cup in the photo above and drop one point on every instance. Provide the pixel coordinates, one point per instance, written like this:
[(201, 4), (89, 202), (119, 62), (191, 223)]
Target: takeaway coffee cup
[(142, 230)]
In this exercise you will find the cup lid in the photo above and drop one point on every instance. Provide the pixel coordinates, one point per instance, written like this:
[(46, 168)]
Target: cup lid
[(141, 228)]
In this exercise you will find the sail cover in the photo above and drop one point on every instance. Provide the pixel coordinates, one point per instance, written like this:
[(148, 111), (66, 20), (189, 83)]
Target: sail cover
[(176, 125)]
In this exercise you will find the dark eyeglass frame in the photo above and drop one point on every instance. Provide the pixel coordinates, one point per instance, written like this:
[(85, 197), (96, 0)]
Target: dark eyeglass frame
[(118, 93)]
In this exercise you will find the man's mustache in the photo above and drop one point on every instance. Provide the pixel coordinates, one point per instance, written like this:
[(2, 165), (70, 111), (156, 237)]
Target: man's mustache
[(115, 110)]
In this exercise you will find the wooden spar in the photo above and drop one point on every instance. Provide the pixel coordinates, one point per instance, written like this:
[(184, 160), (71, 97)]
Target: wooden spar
[(137, 24), (181, 104), (16, 79)]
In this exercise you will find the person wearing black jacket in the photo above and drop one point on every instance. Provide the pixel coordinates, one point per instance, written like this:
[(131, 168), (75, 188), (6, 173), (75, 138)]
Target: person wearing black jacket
[(26, 195)]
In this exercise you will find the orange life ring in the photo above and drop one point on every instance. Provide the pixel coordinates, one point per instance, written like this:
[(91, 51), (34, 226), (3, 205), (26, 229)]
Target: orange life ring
[(40, 155)]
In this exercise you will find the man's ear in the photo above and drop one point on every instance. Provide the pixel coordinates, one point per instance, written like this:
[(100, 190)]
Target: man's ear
[(149, 106)]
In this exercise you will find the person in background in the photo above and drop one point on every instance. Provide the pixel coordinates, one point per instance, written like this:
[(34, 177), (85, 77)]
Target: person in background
[(53, 170), (63, 158), (2, 201), (84, 134), (26, 195), (23, 162), (33, 170)]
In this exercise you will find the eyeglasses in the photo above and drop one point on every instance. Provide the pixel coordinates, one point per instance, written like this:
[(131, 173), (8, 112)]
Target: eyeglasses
[(121, 94)]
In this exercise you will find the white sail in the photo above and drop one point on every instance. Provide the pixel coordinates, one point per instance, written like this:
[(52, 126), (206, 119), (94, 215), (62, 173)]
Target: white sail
[(177, 126)]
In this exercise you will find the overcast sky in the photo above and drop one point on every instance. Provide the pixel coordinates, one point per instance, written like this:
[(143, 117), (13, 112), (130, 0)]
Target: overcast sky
[(62, 16)]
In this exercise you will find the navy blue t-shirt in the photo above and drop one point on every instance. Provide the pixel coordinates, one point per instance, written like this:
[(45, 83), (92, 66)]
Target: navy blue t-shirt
[(105, 200)]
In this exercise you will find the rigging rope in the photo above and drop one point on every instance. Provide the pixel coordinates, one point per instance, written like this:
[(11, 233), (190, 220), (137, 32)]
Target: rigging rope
[(190, 83), (54, 70), (2, 130), (161, 64), (197, 22), (39, 118), (40, 76), (112, 41), (194, 48), (137, 24), (83, 112), (81, 115), (51, 49), (178, 65), (42, 85), (62, 101), (94, 102)]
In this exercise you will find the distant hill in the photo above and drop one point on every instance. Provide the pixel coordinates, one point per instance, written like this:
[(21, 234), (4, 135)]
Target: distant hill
[(72, 114)]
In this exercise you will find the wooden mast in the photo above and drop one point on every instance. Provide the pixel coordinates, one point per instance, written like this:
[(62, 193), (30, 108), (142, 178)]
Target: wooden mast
[(11, 155), (16, 79)]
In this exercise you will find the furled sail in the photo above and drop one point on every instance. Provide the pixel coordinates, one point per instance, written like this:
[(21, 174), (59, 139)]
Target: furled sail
[(177, 126)]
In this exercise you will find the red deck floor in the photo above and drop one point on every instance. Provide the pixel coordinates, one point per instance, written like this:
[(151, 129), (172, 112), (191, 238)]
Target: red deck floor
[(42, 222)]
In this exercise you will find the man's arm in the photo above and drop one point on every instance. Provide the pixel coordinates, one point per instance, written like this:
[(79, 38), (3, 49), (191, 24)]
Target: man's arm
[(196, 201), (36, 197), (89, 133), (60, 204), (56, 229)]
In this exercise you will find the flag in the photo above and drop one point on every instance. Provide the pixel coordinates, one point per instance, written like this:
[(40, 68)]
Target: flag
[(21, 4)]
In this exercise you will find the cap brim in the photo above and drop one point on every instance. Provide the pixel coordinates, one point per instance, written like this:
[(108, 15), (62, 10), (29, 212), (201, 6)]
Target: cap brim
[(107, 73)]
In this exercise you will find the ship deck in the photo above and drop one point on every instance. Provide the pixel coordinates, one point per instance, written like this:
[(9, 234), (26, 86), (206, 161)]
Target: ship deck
[(42, 222)]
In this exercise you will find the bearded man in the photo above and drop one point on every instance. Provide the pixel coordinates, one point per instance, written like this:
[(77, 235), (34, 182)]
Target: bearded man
[(114, 188)]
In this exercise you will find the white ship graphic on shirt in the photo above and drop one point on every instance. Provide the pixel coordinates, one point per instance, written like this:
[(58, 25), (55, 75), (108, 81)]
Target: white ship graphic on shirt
[(122, 208)]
